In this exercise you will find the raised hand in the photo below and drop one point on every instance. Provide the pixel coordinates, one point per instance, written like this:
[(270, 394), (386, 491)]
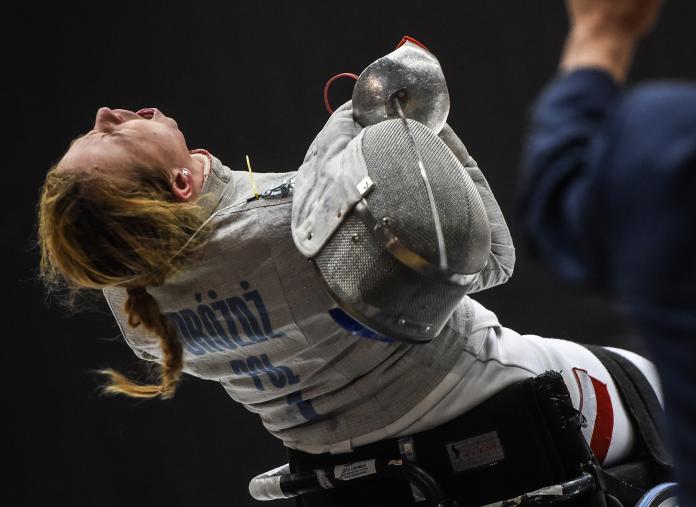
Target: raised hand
[(604, 33)]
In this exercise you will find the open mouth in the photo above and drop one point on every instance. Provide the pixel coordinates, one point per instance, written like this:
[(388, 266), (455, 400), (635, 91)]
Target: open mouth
[(147, 113)]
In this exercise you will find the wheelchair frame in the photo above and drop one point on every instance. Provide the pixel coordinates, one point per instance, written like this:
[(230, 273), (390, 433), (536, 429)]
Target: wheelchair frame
[(549, 411)]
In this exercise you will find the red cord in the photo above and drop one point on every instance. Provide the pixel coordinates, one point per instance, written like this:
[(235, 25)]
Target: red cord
[(328, 85), (403, 41)]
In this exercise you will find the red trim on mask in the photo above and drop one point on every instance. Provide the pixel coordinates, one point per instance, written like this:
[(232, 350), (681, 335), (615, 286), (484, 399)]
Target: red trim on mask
[(406, 39)]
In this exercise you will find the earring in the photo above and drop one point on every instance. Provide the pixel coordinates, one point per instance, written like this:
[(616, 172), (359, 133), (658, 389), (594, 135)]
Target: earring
[(186, 172)]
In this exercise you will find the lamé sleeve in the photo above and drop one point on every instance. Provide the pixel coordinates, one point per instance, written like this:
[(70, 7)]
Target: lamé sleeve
[(501, 260)]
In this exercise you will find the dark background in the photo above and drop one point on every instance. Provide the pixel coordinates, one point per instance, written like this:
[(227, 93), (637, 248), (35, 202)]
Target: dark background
[(240, 79)]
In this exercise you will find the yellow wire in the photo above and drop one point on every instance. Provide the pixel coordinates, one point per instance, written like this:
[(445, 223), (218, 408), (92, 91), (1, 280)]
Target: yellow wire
[(251, 177)]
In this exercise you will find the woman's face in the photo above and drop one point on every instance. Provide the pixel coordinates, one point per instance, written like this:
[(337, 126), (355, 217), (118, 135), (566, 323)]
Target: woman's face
[(122, 139)]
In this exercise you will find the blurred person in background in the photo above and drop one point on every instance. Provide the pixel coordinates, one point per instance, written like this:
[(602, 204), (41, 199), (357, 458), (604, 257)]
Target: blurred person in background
[(609, 195)]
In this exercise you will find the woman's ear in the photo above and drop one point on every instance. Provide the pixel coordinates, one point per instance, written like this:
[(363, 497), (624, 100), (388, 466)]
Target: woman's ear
[(182, 185)]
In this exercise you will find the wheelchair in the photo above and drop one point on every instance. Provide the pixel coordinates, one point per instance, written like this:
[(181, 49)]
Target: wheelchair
[(524, 446)]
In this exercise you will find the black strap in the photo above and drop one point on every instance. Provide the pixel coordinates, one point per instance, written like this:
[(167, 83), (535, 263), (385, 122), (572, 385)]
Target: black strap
[(641, 402), (628, 493)]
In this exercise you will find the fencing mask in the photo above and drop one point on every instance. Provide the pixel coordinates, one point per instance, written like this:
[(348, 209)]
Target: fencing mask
[(392, 210)]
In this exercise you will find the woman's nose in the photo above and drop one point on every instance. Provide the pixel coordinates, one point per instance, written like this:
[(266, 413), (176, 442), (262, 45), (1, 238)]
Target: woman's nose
[(105, 120)]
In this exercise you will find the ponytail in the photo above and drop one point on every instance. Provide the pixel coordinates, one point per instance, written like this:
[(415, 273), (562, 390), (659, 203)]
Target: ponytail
[(143, 309)]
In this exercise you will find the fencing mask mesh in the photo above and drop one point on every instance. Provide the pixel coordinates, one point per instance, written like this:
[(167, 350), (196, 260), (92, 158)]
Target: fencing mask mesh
[(364, 276)]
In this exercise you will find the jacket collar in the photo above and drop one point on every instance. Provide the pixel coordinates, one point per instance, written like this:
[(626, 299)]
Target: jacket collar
[(215, 186)]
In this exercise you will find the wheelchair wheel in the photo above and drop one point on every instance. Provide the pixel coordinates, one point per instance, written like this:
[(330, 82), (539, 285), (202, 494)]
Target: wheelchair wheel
[(662, 495)]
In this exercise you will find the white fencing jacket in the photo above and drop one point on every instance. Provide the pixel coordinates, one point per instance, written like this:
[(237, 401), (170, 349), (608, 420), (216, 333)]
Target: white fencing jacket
[(253, 315)]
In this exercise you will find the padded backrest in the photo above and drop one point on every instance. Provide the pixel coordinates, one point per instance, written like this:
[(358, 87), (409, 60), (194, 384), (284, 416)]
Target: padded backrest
[(526, 437)]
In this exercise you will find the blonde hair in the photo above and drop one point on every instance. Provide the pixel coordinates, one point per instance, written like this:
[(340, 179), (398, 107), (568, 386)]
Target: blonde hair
[(99, 229)]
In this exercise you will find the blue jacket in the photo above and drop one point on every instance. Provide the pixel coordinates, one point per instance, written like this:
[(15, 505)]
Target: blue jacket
[(609, 198)]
